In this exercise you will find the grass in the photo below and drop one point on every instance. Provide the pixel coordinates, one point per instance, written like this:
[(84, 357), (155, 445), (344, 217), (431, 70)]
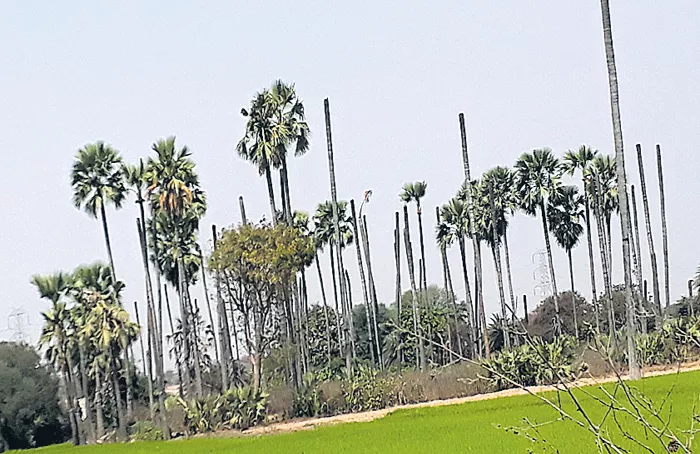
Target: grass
[(478, 427)]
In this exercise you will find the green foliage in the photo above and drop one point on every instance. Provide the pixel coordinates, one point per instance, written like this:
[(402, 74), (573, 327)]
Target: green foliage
[(538, 363), (29, 411), (242, 408), (651, 349), (309, 400), (364, 390), (145, 431)]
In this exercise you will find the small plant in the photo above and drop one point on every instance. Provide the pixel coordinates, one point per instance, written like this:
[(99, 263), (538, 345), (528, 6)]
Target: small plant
[(309, 399), (652, 349), (242, 408), (201, 415), (365, 390)]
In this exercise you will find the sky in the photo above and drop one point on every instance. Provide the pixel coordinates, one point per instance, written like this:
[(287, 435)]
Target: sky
[(526, 75)]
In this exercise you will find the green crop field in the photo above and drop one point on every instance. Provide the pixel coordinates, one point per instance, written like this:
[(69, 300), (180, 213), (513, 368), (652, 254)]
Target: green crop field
[(478, 427)]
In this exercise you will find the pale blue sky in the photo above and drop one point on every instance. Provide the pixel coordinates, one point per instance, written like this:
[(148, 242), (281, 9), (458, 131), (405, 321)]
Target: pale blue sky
[(526, 74)]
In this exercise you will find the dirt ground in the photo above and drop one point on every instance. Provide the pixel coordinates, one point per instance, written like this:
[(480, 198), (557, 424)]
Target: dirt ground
[(308, 424)]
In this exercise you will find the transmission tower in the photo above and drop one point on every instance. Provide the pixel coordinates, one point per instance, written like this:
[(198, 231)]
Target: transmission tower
[(542, 281), (17, 323)]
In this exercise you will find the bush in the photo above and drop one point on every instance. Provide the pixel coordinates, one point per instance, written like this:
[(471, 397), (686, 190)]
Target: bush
[(242, 408), (145, 431), (652, 349), (309, 400)]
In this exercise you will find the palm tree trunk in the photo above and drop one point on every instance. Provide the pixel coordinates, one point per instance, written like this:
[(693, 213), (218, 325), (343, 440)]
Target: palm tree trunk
[(664, 229), (496, 250), (283, 198), (608, 245), (99, 414), (591, 263), (287, 202), (207, 300), (640, 279), (650, 239), (325, 306), (422, 245), (108, 243), (468, 299), (365, 298), (271, 194), (545, 229), (70, 404), (573, 294), (397, 290), (482, 310), (417, 324), (336, 223), (158, 338), (86, 395), (635, 371), (604, 260), (348, 297), (513, 303), (224, 331), (147, 360), (372, 290), (176, 346), (470, 212), (185, 322), (339, 326), (121, 421), (129, 387)]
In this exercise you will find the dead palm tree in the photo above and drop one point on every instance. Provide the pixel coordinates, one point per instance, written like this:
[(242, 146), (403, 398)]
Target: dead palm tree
[(664, 228), (635, 371)]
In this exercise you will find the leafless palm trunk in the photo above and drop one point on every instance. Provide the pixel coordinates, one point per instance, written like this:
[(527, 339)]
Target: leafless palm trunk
[(397, 261), (591, 262), (363, 280), (573, 294), (664, 228), (604, 259), (108, 243), (336, 223), (496, 250), (508, 274), (639, 269), (224, 330), (545, 229), (372, 290), (650, 239), (417, 325), (271, 194), (325, 306), (634, 368)]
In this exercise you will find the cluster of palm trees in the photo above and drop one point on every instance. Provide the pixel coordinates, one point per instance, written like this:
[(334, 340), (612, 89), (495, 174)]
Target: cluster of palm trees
[(87, 337)]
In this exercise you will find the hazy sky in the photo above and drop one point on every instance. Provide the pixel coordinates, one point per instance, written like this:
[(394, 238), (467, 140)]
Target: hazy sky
[(526, 75)]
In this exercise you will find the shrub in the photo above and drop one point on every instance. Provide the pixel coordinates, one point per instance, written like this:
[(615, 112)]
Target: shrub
[(651, 349), (242, 408), (145, 431), (309, 400), (365, 390)]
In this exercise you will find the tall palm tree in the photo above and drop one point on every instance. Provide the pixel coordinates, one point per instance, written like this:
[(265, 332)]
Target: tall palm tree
[(175, 192), (478, 277), (414, 192), (417, 325), (290, 130), (97, 179), (538, 179), (581, 160), (565, 212), (336, 224), (664, 228), (454, 216), (635, 371)]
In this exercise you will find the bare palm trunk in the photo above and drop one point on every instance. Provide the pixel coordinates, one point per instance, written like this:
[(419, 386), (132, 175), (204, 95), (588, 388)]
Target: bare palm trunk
[(397, 290), (338, 324), (182, 385), (372, 290), (591, 262), (470, 212), (417, 325), (208, 301), (608, 245), (604, 260), (635, 371), (86, 394), (121, 421), (325, 306), (422, 246), (365, 298), (336, 223), (650, 239), (185, 322), (224, 331), (481, 322), (287, 202), (664, 229), (108, 243), (147, 359), (99, 414), (573, 294), (545, 229), (70, 404), (640, 280), (129, 387)]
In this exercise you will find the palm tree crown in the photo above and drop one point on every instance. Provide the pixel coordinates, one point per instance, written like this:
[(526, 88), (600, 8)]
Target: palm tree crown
[(538, 177), (565, 212), (97, 178)]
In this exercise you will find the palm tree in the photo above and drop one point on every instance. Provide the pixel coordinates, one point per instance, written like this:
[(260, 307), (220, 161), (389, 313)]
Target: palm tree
[(336, 225), (414, 192), (635, 372), (664, 229), (470, 219), (397, 289), (174, 191), (454, 217), (443, 237), (565, 212), (97, 180), (538, 179), (417, 325), (55, 337), (650, 240), (582, 160), (290, 129)]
